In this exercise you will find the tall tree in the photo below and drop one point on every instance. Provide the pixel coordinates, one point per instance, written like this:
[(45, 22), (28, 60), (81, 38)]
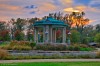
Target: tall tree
[(2, 25), (19, 24), (68, 19), (17, 27), (4, 32), (31, 22), (79, 20), (98, 27)]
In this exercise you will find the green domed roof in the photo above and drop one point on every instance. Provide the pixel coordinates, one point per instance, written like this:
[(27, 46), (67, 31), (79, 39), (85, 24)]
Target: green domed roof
[(49, 21)]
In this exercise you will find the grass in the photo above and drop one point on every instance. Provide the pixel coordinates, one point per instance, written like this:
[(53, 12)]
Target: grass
[(53, 64), (4, 43)]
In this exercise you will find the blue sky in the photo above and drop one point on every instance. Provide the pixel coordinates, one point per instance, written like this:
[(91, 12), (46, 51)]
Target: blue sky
[(39, 8)]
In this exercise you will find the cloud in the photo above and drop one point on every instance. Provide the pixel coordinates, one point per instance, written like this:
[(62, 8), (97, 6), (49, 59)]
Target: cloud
[(9, 10), (8, 7), (57, 2), (60, 4), (81, 8), (94, 2), (94, 22), (76, 8), (66, 2), (46, 7), (31, 7), (69, 9), (4, 18), (82, 2), (33, 12)]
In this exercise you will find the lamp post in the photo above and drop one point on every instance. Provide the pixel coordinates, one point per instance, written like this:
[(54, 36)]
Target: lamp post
[(69, 42)]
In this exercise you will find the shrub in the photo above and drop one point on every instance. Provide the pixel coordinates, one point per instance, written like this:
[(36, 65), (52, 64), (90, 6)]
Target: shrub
[(25, 43), (97, 38), (19, 45), (71, 48), (74, 47), (80, 47), (86, 49), (54, 47), (98, 54), (32, 44), (60, 47), (3, 54), (83, 45)]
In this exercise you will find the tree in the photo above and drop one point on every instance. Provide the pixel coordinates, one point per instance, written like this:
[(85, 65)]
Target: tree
[(97, 38), (19, 24), (98, 27), (11, 28), (4, 35), (89, 33), (4, 32), (80, 22), (31, 22), (58, 16), (31, 28), (18, 35), (87, 30), (2, 25), (30, 35), (75, 36), (68, 19)]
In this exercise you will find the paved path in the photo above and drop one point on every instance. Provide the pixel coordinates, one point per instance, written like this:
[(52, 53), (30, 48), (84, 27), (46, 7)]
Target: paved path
[(50, 60)]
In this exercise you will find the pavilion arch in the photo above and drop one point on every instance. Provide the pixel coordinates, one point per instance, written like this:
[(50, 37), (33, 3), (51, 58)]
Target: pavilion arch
[(45, 31)]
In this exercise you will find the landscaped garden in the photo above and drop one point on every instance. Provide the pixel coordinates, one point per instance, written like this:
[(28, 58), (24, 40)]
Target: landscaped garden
[(9, 51), (26, 45)]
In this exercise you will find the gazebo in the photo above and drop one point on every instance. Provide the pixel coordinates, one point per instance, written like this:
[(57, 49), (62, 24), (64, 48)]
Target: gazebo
[(45, 31)]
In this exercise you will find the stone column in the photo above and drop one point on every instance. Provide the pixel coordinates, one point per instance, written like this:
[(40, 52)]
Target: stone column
[(35, 35), (55, 36), (43, 34), (51, 35), (47, 34), (64, 35)]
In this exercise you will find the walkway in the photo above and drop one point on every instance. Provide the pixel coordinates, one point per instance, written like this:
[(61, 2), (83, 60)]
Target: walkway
[(50, 60)]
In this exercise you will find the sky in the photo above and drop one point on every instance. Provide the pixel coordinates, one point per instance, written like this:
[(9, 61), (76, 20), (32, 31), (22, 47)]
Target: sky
[(39, 8)]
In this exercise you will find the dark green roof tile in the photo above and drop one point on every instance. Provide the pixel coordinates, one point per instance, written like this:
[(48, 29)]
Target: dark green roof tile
[(49, 21)]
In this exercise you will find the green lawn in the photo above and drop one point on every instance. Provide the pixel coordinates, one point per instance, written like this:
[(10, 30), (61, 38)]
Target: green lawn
[(53, 64)]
